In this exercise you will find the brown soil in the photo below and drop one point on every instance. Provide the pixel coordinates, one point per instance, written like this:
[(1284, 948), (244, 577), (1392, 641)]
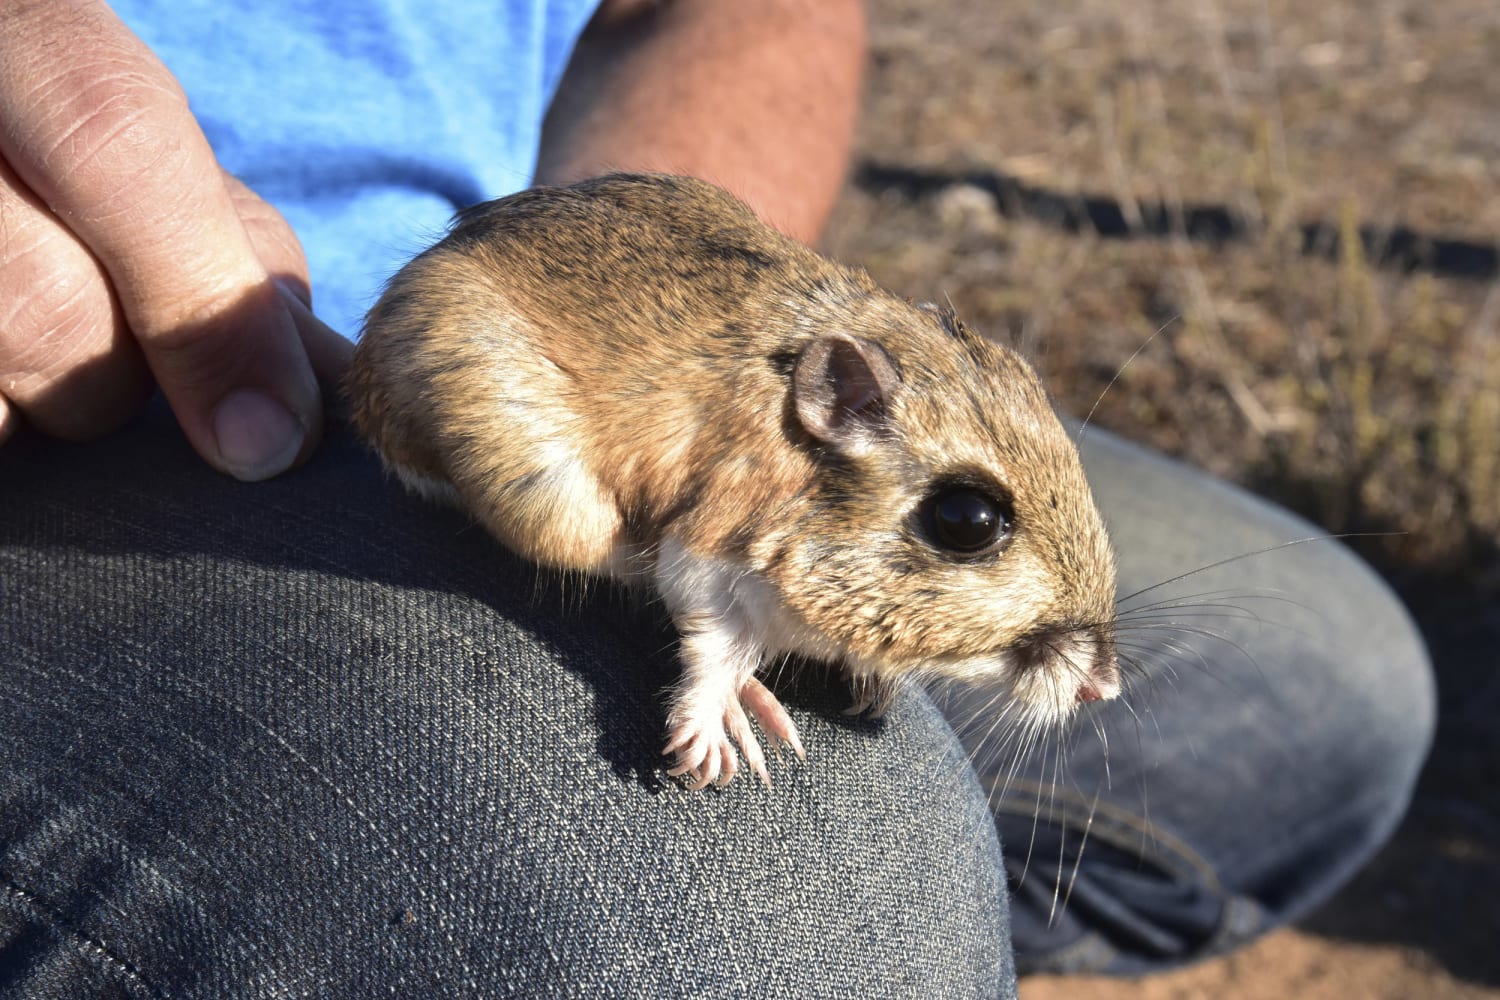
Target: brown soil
[(1292, 213)]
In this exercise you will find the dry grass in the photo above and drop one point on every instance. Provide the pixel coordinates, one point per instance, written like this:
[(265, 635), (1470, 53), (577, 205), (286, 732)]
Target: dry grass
[(1369, 401), (1278, 305)]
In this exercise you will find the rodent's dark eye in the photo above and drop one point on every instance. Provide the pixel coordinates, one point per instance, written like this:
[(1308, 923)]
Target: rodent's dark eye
[(963, 519)]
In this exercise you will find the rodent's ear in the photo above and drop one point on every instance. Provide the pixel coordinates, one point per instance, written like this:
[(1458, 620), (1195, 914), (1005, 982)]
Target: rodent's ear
[(841, 387)]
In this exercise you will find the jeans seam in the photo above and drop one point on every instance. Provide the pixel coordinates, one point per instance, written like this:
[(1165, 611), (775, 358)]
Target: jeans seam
[(1160, 845), (89, 946), (1094, 952)]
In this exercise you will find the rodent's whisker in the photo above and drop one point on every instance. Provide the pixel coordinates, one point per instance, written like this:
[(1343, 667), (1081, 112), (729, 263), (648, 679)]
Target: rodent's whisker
[(1013, 742), (1084, 427), (548, 363), (1258, 552), (1099, 731), (1229, 614), (1166, 656), (1218, 607), (1171, 628), (1030, 734), (985, 710), (1216, 637), (1062, 845), (1088, 826), (1226, 594), (1156, 651), (1036, 814)]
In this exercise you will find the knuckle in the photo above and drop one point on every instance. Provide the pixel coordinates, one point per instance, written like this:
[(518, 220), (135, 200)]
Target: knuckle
[(107, 146), (101, 131), (56, 312), (73, 71), (65, 358), (95, 124), (209, 341), (271, 236)]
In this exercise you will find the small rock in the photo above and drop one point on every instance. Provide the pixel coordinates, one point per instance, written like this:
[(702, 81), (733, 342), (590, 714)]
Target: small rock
[(966, 205)]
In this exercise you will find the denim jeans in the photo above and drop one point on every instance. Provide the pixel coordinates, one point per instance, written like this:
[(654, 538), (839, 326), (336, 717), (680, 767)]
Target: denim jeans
[(316, 738), (1278, 705)]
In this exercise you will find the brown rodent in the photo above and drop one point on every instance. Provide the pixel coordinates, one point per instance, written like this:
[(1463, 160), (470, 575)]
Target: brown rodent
[(635, 377)]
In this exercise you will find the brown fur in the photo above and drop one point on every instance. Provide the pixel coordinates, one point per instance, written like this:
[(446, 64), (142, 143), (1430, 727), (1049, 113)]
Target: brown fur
[(648, 328)]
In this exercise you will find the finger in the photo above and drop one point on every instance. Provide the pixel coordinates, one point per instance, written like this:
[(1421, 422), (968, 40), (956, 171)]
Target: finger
[(7, 420), (67, 360), (281, 253), (102, 133), (271, 239), (328, 352)]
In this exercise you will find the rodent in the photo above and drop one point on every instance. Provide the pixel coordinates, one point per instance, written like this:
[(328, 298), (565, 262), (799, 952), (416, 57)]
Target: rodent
[(636, 377)]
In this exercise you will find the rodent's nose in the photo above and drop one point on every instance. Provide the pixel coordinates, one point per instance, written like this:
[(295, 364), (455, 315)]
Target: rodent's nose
[(1103, 680), (1085, 653)]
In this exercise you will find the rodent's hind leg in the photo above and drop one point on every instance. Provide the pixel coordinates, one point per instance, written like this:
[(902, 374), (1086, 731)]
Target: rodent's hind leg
[(872, 692), (545, 504)]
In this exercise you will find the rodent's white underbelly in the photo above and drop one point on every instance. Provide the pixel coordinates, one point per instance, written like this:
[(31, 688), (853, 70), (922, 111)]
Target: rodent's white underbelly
[(780, 629), (739, 600)]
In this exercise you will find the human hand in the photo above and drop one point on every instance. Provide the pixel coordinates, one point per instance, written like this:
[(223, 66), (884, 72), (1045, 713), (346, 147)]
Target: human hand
[(127, 253)]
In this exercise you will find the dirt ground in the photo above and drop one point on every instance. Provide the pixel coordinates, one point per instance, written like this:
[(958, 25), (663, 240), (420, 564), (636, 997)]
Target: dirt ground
[(1291, 213)]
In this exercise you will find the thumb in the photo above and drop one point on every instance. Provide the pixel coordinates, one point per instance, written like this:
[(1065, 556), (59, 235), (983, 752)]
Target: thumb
[(101, 132), (241, 385)]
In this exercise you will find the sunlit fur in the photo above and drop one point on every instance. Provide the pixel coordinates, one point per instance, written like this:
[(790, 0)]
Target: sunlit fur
[(1156, 636), (604, 374)]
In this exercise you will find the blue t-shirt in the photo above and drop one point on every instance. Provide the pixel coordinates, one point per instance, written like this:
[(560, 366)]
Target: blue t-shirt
[(367, 123)]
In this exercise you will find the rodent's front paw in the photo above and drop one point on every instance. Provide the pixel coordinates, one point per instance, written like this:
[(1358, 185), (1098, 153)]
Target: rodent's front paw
[(700, 741), (704, 754)]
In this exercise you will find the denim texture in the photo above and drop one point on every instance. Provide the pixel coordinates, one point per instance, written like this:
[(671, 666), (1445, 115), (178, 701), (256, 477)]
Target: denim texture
[(312, 738), (316, 738), (1279, 708)]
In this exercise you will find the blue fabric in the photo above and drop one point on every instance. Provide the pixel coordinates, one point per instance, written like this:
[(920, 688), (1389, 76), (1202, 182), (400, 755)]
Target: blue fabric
[(315, 738), (245, 752), (1277, 710), (367, 124)]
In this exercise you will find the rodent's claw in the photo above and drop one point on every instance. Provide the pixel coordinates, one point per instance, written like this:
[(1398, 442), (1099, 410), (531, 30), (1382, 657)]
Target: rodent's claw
[(772, 718), (707, 757), (691, 753), (729, 765), (738, 725), (704, 750)]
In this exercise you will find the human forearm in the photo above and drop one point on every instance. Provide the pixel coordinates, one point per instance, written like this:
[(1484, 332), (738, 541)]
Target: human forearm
[(759, 97)]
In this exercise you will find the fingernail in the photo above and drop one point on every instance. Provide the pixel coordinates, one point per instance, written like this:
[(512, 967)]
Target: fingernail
[(257, 436)]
